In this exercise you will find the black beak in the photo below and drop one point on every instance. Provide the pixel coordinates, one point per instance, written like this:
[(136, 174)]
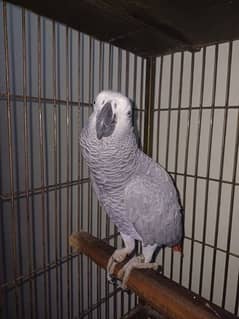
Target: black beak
[(105, 121)]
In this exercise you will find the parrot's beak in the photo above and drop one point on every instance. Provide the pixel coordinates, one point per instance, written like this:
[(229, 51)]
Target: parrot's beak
[(105, 121)]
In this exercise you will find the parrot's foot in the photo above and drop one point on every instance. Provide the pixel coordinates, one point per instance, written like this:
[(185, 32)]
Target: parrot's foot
[(135, 262), (118, 256)]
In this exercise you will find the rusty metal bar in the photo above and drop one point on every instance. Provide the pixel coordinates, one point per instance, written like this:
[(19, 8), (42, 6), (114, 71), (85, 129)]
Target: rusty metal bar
[(159, 292)]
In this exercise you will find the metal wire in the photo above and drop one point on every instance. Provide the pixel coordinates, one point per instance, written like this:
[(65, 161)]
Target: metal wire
[(212, 112), (55, 150), (199, 121), (10, 155), (228, 78)]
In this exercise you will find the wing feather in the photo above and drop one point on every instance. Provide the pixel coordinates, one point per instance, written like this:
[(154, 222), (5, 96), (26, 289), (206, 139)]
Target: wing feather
[(153, 206)]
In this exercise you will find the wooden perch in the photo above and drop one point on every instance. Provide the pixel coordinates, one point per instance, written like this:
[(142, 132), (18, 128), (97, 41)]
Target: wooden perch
[(160, 293)]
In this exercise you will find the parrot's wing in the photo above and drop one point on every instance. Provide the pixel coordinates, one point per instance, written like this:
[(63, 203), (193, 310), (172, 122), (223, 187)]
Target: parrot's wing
[(154, 210), (95, 188)]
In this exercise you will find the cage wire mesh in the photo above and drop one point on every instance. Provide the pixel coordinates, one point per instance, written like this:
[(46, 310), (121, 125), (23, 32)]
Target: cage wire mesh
[(49, 77)]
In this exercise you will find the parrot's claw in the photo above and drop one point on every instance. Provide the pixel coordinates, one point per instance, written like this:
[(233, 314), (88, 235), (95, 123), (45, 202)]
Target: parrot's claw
[(111, 279), (118, 256), (135, 262)]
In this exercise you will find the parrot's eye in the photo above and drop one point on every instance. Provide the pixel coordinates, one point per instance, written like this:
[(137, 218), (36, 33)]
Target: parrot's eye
[(129, 113), (94, 102)]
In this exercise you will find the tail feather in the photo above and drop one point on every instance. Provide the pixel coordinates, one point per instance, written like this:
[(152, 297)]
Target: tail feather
[(178, 248)]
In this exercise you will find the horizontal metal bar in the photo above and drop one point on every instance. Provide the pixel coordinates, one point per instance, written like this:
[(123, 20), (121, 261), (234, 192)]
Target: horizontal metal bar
[(100, 302), (20, 280), (213, 247), (39, 190), (204, 178), (35, 99), (205, 107)]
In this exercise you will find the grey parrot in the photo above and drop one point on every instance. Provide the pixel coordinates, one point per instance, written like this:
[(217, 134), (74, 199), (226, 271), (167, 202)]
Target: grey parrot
[(138, 194)]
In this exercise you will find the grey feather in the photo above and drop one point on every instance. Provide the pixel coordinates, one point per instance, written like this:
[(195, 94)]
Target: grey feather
[(138, 194)]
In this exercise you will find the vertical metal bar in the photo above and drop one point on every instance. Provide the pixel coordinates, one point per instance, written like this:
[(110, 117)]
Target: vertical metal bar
[(26, 162), (199, 122), (99, 209), (107, 231), (55, 149), (158, 131), (159, 104), (168, 135), (236, 308), (127, 74), (169, 109), (177, 138), (119, 69), (67, 171), (89, 262), (42, 172), (188, 134), (134, 99), (141, 100), (81, 76), (111, 65), (46, 164), (10, 155), (135, 77), (208, 168), (119, 87), (149, 105), (60, 198), (221, 168), (231, 209), (80, 173), (127, 94), (71, 171)]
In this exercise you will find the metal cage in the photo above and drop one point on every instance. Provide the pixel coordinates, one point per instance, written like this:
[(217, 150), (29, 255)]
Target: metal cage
[(187, 117)]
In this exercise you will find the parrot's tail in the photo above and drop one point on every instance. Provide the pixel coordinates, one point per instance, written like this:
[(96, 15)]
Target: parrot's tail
[(178, 248)]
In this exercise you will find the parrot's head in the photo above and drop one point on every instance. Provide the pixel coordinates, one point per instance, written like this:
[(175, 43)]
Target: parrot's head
[(113, 112)]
